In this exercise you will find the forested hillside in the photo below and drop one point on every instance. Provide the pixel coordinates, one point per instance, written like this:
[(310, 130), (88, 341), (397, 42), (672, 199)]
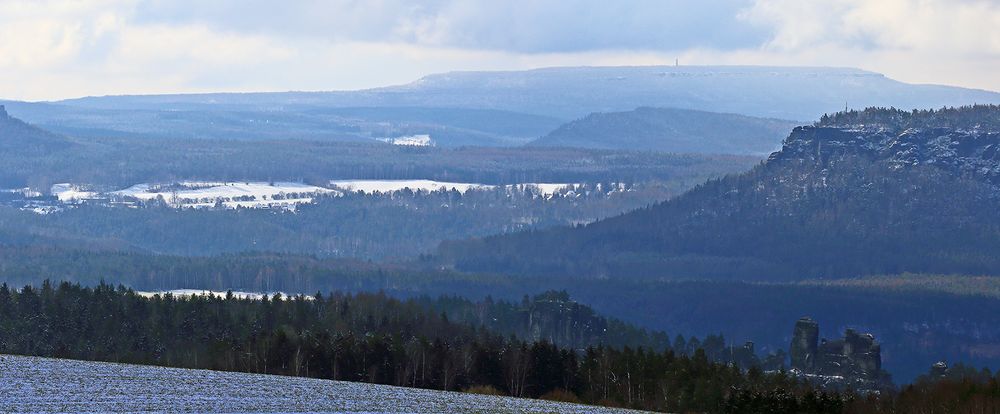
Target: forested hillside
[(447, 127), (400, 224), (375, 339), (838, 200), (671, 130), (933, 313), (120, 162), (18, 137), (396, 224)]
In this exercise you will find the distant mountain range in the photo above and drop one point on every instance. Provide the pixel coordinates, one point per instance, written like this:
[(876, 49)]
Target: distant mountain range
[(875, 192), (671, 130), (490, 108), (797, 93)]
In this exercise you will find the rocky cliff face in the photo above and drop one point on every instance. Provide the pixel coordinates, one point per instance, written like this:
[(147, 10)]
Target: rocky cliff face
[(853, 356), (973, 152), (804, 340)]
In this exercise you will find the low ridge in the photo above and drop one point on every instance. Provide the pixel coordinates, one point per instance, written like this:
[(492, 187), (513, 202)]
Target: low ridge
[(17, 136), (671, 130)]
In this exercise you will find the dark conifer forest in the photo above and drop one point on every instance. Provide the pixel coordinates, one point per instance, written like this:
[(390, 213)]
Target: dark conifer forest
[(369, 338), (415, 343)]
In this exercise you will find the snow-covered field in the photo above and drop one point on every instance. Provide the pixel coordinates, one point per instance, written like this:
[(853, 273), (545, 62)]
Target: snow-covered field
[(29, 384), (69, 193), (257, 194), (199, 292), (421, 140), (388, 186), (192, 194)]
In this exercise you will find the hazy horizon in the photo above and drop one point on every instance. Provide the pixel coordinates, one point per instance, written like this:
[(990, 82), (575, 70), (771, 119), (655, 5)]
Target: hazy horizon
[(680, 66)]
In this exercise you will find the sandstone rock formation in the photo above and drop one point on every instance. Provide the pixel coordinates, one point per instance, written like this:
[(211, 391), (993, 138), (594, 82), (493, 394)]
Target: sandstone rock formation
[(804, 340), (854, 359)]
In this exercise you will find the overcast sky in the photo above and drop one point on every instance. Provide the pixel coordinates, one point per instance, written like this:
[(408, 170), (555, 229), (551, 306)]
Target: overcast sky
[(61, 48)]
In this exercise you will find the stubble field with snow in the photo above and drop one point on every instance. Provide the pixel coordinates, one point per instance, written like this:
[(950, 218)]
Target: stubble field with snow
[(30, 384)]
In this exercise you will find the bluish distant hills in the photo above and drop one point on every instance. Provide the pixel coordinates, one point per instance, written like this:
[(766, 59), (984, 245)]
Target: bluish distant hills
[(491, 108), (671, 130)]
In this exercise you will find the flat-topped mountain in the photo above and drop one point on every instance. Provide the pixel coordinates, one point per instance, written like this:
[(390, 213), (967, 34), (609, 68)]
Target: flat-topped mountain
[(798, 93), (671, 130), (874, 192)]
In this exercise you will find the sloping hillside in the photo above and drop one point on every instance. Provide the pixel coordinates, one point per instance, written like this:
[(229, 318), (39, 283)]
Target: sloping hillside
[(878, 192), (18, 137), (671, 130), (59, 385)]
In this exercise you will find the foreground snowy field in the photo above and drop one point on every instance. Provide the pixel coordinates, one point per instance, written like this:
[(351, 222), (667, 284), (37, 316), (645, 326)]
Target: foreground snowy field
[(29, 384)]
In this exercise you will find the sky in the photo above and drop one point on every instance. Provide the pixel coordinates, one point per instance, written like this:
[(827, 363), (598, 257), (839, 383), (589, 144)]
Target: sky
[(55, 49)]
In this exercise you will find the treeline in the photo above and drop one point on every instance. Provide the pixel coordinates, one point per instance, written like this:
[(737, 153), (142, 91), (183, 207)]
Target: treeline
[(762, 313), (961, 389), (985, 117), (553, 317), (415, 343), (899, 317), (369, 338)]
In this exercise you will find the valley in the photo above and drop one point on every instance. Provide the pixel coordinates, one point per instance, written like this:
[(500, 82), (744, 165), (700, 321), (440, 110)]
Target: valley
[(473, 206), (532, 247), (341, 218)]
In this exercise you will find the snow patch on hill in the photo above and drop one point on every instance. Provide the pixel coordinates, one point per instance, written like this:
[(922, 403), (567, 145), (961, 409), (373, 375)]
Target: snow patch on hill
[(195, 194), (420, 140), (69, 193), (221, 294), (389, 186), (287, 196)]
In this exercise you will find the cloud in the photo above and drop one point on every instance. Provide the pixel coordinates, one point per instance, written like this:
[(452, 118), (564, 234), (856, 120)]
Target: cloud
[(53, 49), (519, 26), (946, 27), (925, 41)]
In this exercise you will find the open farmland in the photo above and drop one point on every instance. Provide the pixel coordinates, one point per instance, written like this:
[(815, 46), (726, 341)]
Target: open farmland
[(30, 384)]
